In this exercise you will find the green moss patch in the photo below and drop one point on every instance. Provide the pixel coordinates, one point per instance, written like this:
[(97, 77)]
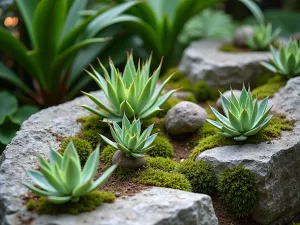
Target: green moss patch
[(238, 191), (107, 154), (177, 81), (207, 130), (200, 174), (203, 92), (83, 148), (160, 163), (160, 178), (269, 88), (93, 137), (162, 148), (277, 124), (228, 47), (86, 203)]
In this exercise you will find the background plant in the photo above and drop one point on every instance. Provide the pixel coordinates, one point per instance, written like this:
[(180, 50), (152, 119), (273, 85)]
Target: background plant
[(11, 117), (62, 179), (159, 24), (208, 24), (285, 60), (52, 63)]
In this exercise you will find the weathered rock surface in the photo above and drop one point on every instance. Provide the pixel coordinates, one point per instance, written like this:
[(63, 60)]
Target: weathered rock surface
[(203, 60), (159, 206), (275, 164), (241, 35), (128, 162), (185, 117)]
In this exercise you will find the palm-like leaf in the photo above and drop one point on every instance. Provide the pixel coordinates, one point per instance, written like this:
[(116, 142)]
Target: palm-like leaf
[(129, 138), (62, 180), (58, 34), (243, 117)]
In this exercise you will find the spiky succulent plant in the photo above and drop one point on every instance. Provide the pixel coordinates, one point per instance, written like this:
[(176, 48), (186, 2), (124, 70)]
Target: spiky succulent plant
[(129, 139), (62, 180), (286, 60), (132, 92), (243, 117), (262, 37)]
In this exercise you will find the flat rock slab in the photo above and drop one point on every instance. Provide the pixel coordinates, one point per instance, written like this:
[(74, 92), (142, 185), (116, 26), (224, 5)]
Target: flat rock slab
[(203, 60), (275, 164), (159, 206)]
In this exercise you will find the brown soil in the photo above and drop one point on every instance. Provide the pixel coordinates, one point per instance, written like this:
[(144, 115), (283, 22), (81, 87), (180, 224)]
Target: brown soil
[(123, 189), (183, 146)]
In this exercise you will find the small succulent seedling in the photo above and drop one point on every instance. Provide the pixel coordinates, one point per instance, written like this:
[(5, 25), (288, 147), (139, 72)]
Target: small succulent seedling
[(131, 93), (285, 61), (129, 138), (244, 117), (262, 37), (61, 179)]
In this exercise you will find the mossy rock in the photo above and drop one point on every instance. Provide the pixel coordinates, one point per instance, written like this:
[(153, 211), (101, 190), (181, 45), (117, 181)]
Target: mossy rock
[(277, 124), (238, 191), (269, 88), (160, 163), (161, 178), (162, 148), (83, 148), (200, 174), (86, 203)]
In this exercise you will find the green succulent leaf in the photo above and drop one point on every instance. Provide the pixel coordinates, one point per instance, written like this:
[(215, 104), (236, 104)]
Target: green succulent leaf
[(67, 182), (243, 117)]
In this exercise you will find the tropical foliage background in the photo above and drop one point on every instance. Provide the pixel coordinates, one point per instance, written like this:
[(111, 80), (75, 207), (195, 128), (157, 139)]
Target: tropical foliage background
[(46, 44)]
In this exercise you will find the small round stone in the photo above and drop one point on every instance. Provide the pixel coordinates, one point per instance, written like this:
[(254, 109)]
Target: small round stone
[(128, 162), (227, 94), (185, 117), (242, 34)]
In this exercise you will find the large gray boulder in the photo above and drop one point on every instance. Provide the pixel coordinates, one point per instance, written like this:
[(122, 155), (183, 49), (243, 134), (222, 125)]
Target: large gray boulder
[(203, 60), (275, 164), (185, 117), (159, 206)]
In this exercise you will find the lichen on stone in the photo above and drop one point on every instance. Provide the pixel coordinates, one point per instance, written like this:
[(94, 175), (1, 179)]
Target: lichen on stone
[(86, 203), (159, 178)]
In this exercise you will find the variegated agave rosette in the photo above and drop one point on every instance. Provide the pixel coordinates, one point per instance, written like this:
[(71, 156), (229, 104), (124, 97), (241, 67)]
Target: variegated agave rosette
[(244, 117), (62, 180), (129, 139), (132, 93)]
